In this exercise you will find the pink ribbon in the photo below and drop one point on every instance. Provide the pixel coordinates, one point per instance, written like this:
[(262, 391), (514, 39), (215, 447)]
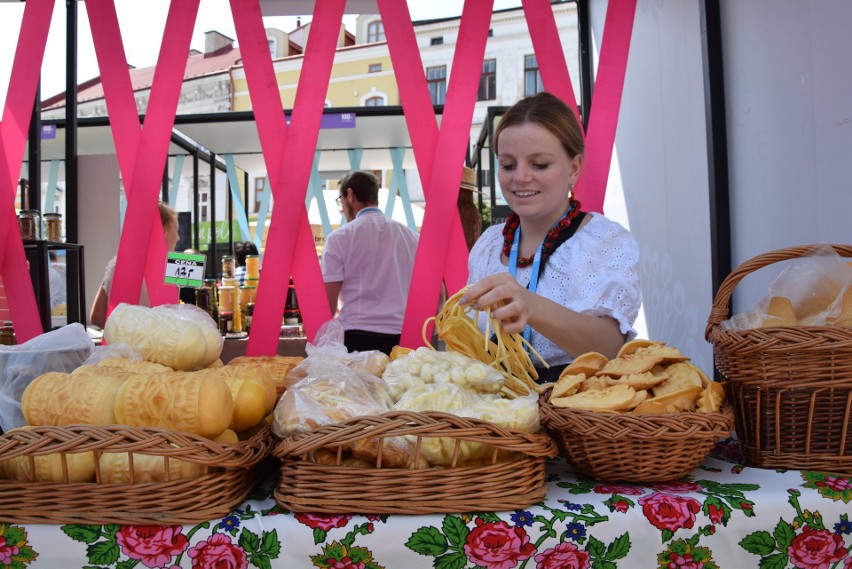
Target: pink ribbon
[(142, 155), (609, 86), (17, 113), (441, 251), (127, 132), (288, 152)]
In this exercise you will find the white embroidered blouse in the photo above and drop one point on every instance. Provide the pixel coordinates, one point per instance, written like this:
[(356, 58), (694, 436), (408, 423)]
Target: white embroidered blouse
[(595, 272)]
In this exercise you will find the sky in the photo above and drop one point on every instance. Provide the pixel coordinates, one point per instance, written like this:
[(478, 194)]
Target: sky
[(142, 23)]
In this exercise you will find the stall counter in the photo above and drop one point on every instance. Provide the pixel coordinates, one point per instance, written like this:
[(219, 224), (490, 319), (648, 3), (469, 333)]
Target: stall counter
[(723, 515)]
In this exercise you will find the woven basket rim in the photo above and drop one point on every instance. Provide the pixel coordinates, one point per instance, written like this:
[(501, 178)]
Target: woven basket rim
[(720, 422), (418, 423), (47, 439), (720, 309)]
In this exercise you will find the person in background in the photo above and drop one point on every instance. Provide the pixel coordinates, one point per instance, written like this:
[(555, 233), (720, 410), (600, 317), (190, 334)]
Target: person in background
[(567, 279), (56, 280), (242, 250), (97, 313), (471, 219), (366, 266)]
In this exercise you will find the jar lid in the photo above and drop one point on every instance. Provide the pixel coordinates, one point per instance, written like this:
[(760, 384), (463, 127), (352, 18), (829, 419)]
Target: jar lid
[(53, 215)]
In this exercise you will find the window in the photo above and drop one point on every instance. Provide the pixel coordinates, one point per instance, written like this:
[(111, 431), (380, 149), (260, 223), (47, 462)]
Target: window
[(375, 31), (374, 68), (437, 41), (532, 78), (273, 46), (436, 78), (204, 204), (488, 81), (375, 102)]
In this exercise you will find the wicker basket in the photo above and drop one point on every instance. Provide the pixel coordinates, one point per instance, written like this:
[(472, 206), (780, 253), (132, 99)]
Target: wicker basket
[(214, 494), (791, 386), (625, 447), (496, 486)]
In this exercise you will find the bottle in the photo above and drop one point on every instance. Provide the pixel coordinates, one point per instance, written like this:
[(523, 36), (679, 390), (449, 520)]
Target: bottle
[(29, 221), (252, 267), (7, 334), (248, 316), (291, 306)]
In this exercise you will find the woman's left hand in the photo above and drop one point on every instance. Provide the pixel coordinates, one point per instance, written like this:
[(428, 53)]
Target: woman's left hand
[(510, 303)]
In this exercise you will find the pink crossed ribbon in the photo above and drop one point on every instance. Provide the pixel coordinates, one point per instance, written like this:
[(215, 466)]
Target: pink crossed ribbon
[(17, 113), (442, 252), (142, 151), (288, 152)]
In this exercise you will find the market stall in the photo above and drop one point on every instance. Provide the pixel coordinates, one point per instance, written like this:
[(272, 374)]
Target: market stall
[(722, 515)]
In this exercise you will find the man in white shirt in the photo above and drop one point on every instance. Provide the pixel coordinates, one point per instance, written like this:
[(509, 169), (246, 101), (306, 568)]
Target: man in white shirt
[(366, 266)]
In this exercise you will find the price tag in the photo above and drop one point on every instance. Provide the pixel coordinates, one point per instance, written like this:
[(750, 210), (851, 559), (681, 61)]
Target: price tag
[(183, 269)]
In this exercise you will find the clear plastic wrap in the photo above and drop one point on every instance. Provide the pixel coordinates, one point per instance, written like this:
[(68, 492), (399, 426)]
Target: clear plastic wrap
[(180, 336), (812, 290), (61, 350)]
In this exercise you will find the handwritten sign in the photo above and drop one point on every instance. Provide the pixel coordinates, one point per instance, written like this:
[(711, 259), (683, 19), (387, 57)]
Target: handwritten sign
[(183, 269)]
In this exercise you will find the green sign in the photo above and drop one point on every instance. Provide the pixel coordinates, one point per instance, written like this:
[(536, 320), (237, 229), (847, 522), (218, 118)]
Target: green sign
[(183, 269)]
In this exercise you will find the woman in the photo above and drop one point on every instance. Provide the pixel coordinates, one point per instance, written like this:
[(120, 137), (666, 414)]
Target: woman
[(97, 314), (568, 280)]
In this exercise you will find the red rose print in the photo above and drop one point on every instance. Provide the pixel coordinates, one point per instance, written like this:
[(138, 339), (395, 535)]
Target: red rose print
[(816, 549), (620, 506), (563, 556), (497, 545), (669, 512), (715, 513), (218, 553), (323, 522), (153, 546)]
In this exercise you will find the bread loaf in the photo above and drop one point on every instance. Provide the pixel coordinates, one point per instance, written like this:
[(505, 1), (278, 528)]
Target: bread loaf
[(277, 366), (194, 402), (60, 399), (182, 337), (115, 468)]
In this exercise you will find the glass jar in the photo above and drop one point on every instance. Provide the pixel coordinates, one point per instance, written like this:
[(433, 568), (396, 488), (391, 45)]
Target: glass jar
[(252, 267), (226, 299), (53, 227), (7, 334), (30, 222), (227, 267)]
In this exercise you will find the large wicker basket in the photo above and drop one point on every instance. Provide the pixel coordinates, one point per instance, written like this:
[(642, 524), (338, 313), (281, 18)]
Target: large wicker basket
[(791, 386), (497, 485), (626, 447), (234, 470)]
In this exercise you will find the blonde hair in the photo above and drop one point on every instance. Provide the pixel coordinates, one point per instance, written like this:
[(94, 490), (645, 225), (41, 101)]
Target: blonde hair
[(167, 215)]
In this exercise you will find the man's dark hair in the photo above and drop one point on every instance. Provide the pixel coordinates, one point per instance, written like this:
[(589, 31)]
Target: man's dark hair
[(363, 184), (242, 250)]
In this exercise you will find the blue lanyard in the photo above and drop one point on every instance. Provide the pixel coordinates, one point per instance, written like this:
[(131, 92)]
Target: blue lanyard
[(513, 270), (513, 265)]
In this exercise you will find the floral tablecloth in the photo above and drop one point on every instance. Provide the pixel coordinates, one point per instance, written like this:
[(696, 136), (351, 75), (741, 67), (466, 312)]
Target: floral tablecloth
[(722, 515)]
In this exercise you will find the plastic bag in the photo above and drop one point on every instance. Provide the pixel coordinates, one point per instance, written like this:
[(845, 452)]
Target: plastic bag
[(180, 336), (520, 414), (810, 291), (61, 350), (328, 345)]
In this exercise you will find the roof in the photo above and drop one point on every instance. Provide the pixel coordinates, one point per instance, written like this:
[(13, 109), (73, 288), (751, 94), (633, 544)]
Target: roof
[(197, 65)]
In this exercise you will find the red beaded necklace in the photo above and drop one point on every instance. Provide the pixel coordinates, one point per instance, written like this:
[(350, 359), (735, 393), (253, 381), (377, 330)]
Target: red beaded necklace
[(513, 222)]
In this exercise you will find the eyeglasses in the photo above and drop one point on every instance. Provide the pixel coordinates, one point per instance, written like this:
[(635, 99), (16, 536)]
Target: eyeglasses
[(339, 200)]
